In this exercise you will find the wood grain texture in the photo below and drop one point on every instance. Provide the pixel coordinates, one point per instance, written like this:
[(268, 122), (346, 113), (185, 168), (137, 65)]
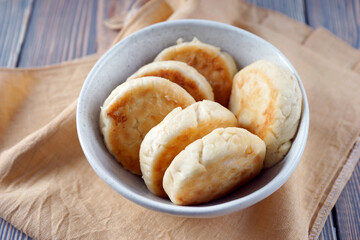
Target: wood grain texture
[(329, 231), (62, 30), (59, 31), (7, 231), (292, 8), (14, 17), (341, 17), (348, 208)]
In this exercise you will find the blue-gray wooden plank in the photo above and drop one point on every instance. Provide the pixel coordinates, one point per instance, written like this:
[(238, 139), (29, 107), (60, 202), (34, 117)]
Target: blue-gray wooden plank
[(292, 8), (56, 31), (7, 231), (348, 208), (342, 17), (14, 16), (59, 31), (329, 229)]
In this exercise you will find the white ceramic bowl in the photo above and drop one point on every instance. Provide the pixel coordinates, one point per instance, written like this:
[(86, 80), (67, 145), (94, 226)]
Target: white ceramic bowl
[(141, 48)]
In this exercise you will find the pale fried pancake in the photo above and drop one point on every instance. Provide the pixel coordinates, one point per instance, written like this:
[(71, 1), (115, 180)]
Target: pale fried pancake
[(180, 73), (213, 166), (216, 66), (266, 100), (132, 109), (178, 129)]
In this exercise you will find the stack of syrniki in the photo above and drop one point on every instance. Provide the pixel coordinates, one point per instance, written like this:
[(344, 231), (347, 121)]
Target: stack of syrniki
[(163, 123), (179, 128)]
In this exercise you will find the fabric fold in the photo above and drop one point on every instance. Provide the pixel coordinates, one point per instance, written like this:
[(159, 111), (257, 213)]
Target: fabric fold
[(49, 190), (329, 46), (30, 98)]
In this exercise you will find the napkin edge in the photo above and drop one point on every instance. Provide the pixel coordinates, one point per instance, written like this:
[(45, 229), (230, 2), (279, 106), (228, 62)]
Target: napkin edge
[(339, 184)]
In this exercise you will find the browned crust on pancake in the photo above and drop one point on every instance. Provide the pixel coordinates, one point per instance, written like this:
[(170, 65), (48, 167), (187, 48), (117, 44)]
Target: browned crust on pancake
[(178, 78), (211, 65), (135, 111), (260, 129), (267, 101)]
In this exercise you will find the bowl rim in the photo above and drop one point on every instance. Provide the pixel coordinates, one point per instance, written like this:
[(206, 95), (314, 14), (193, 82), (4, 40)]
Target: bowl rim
[(195, 211)]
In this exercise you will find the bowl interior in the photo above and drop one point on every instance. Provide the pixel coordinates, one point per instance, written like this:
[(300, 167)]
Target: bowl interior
[(130, 54)]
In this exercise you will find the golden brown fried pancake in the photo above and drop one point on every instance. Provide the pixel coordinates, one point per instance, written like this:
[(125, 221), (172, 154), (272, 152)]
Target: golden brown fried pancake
[(213, 166), (132, 109), (266, 100), (180, 73), (178, 129), (216, 66)]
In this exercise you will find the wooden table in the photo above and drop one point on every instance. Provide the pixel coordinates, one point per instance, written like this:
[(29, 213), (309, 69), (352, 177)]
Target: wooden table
[(36, 33)]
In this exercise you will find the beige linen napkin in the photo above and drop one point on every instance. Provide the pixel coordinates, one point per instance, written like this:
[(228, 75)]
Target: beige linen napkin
[(49, 190)]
